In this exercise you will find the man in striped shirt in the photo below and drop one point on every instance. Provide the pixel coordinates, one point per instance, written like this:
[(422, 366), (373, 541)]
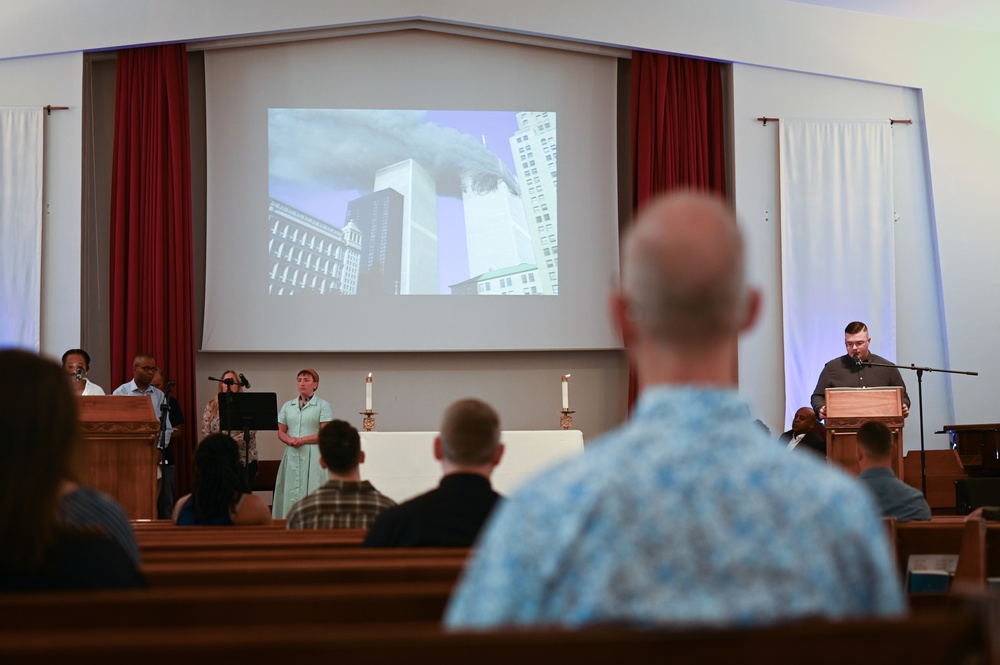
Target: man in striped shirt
[(345, 501)]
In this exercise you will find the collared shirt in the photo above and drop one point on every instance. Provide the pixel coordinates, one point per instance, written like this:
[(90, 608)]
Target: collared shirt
[(688, 515), (157, 397), (92, 388), (894, 497), (843, 372), (450, 515), (339, 504)]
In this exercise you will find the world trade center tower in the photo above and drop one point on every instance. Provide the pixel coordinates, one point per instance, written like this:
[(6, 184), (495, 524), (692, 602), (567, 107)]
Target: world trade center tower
[(418, 271)]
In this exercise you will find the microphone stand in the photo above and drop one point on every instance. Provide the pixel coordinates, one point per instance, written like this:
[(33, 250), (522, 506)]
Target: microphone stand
[(164, 410), (920, 406), (229, 425)]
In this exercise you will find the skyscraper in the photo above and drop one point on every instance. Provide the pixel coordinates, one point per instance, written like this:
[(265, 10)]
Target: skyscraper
[(496, 231), (534, 150), (379, 216), (419, 239)]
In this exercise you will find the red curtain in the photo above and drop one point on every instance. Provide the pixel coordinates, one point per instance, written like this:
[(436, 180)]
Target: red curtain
[(678, 131), (152, 293)]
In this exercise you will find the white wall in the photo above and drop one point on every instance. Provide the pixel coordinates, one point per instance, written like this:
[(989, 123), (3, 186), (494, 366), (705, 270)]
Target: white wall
[(55, 81), (766, 92), (955, 71)]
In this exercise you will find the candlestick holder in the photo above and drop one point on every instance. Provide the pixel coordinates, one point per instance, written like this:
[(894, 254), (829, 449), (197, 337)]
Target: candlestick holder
[(369, 422), (566, 420)]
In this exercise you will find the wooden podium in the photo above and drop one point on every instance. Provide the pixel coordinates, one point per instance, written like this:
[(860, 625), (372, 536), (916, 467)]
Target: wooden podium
[(118, 452), (849, 408)]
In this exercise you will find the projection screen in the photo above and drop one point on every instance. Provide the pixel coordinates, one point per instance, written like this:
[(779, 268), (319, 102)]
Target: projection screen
[(376, 193)]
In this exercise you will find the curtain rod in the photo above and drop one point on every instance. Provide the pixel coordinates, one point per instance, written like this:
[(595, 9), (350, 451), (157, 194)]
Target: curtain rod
[(892, 121), (49, 109)]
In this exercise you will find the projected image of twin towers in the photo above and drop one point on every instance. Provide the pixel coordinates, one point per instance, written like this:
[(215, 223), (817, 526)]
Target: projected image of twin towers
[(410, 235)]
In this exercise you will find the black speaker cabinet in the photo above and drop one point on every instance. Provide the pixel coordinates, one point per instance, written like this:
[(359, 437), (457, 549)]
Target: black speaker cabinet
[(972, 493)]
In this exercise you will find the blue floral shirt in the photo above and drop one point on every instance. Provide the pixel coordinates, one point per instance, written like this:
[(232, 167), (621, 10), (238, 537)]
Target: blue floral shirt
[(687, 515)]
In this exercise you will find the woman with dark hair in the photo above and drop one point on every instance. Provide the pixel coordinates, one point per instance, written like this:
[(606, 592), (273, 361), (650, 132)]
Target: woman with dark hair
[(39, 549), (218, 498)]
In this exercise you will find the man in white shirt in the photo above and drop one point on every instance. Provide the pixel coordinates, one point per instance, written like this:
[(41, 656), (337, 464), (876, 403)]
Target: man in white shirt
[(143, 369)]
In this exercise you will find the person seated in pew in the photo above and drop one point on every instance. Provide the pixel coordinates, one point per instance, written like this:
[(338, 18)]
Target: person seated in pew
[(803, 434), (468, 448), (688, 515), (218, 498), (895, 498), (86, 508), (345, 501), (47, 542)]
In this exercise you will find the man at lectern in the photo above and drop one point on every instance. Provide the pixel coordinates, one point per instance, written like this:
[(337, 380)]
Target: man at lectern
[(851, 371)]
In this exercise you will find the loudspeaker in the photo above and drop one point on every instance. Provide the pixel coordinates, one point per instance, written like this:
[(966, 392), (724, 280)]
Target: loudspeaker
[(972, 493)]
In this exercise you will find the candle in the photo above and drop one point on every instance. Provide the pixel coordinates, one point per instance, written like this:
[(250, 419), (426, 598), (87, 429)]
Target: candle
[(368, 392), (565, 391)]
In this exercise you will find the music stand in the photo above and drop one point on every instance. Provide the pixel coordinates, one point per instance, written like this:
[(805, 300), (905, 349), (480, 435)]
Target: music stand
[(248, 411)]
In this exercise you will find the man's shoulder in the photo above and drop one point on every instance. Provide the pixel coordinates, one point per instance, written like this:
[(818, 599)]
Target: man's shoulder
[(839, 361)]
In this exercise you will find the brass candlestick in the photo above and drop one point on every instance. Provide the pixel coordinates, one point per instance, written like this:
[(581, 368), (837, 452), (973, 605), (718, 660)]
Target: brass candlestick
[(566, 420), (369, 422)]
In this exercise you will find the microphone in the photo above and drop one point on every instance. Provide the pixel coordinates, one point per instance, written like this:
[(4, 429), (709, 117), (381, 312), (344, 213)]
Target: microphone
[(857, 360), (79, 374), (171, 384), (244, 382)]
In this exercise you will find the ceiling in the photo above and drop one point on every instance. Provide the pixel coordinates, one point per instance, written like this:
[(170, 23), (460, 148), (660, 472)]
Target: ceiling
[(981, 15)]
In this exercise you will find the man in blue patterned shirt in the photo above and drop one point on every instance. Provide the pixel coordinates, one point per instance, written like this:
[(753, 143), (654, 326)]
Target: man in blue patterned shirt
[(689, 514)]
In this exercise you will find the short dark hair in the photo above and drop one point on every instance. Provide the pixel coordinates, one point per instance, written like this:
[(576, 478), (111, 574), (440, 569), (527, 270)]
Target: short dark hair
[(875, 438), (311, 372), (470, 432), (340, 446), (854, 327), (78, 352)]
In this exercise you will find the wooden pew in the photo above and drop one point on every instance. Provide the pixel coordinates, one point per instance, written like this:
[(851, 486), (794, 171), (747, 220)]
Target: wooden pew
[(286, 552), (966, 538), (357, 569), (186, 607), (929, 638), (207, 538)]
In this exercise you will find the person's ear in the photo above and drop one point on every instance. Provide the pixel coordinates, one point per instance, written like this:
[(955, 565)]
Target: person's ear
[(361, 457), (498, 455), (622, 317), (438, 449), (752, 312)]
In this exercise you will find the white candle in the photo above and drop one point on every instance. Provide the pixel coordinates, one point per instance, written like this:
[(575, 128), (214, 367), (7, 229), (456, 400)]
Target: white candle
[(565, 391), (368, 392)]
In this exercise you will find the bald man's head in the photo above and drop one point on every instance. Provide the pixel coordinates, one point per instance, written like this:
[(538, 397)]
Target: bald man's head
[(683, 270)]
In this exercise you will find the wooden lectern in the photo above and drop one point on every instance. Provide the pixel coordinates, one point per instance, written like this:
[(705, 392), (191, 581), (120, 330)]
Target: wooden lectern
[(118, 453), (849, 408)]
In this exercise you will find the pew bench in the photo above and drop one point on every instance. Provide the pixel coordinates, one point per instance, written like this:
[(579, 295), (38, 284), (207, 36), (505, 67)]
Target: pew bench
[(360, 569), (252, 605), (930, 638)]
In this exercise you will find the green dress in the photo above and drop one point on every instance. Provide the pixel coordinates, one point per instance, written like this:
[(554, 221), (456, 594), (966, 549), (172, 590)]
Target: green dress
[(300, 473)]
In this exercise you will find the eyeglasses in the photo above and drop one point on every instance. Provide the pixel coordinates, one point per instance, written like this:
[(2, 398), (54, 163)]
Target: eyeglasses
[(855, 345), (147, 368)]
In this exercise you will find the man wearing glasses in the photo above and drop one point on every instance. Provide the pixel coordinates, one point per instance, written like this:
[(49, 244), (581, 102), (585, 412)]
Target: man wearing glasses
[(143, 369), (850, 370)]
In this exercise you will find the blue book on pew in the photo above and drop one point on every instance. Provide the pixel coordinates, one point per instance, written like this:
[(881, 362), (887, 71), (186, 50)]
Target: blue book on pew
[(930, 573)]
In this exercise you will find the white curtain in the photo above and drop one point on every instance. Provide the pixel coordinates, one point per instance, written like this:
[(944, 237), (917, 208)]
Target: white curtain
[(21, 133), (837, 249)]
